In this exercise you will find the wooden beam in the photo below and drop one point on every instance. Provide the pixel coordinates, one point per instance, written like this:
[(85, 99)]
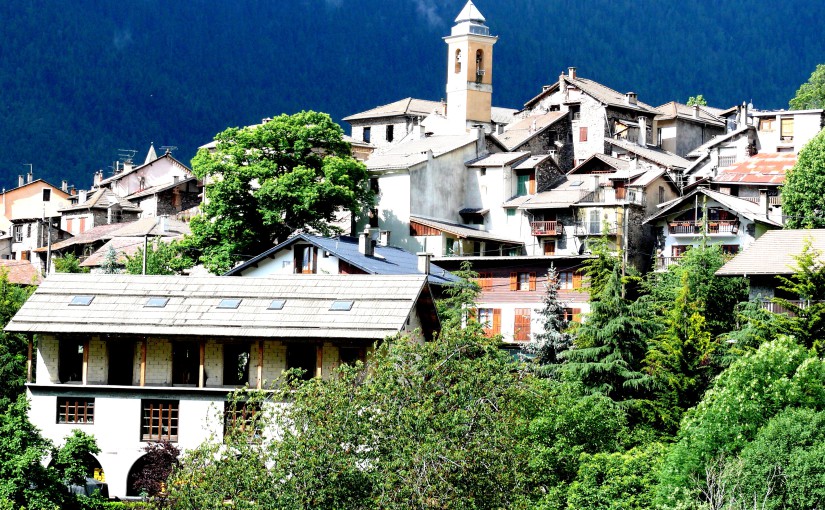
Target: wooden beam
[(85, 362), (29, 360), (260, 382), (143, 348), (319, 361), (201, 372)]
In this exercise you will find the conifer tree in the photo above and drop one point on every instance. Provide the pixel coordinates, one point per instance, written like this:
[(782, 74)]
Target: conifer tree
[(553, 338), (110, 265)]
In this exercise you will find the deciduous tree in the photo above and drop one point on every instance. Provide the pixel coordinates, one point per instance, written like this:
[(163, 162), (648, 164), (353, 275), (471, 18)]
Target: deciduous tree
[(803, 194), (811, 94)]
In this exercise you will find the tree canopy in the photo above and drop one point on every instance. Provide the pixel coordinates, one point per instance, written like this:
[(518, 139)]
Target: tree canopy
[(803, 194), (264, 182), (811, 94)]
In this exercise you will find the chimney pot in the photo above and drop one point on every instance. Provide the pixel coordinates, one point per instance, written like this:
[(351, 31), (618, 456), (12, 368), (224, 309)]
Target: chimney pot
[(82, 198), (20, 180), (30, 176), (696, 111), (571, 72), (424, 262), (630, 98), (64, 186)]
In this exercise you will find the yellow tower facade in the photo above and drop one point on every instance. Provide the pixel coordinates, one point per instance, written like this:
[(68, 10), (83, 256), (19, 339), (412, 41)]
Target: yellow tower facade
[(469, 70)]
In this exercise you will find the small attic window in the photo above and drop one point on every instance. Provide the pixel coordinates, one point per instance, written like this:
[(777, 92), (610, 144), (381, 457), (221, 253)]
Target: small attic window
[(81, 301), (277, 304), (231, 303), (576, 183), (156, 302), (341, 306)]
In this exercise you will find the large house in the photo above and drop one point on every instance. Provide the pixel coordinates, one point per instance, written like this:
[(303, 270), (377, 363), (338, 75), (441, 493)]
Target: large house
[(134, 359)]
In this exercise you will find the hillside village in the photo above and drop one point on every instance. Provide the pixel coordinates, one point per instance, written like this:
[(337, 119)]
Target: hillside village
[(512, 191)]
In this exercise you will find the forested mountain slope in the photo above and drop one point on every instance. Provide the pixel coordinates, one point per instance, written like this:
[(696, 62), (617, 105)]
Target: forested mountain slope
[(81, 80)]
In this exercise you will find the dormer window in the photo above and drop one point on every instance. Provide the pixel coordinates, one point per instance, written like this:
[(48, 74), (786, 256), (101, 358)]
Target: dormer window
[(457, 61)]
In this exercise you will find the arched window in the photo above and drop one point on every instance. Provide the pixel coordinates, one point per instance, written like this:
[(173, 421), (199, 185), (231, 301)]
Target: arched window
[(479, 64), (457, 61)]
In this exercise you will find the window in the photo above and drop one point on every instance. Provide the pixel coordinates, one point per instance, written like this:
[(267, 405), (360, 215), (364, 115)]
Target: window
[(573, 314), (482, 171), (570, 280), (302, 357), (47, 194), (374, 186), (390, 132), (511, 213), (766, 124), (341, 306), (141, 183), (786, 128), (549, 247), (305, 259), (659, 137), (521, 331), (479, 65), (367, 133), (490, 320), (277, 304), (82, 225), (450, 246), (70, 361), (522, 281), (159, 420), (525, 183), (678, 251), (235, 364), (582, 134), (661, 194), (350, 355), (156, 302), (575, 112), (81, 300), (457, 61), (185, 363), (730, 249), (485, 281), (229, 303), (242, 417), (28, 230), (75, 410)]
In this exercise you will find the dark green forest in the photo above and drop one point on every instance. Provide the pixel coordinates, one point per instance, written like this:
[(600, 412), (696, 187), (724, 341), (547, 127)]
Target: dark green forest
[(82, 80)]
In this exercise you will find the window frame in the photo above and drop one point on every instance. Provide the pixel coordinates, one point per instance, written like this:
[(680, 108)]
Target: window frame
[(82, 406), (171, 415)]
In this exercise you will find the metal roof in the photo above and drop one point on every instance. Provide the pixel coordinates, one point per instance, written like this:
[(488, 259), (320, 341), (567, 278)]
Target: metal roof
[(764, 168), (773, 253), (381, 306), (388, 260)]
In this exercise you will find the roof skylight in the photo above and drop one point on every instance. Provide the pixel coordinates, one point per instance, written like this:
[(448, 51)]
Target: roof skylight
[(341, 305), (230, 303), (277, 304), (156, 302), (81, 301)]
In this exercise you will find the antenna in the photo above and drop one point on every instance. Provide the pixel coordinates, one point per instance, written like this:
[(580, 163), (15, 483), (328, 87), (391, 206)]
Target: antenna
[(126, 155), (169, 148)]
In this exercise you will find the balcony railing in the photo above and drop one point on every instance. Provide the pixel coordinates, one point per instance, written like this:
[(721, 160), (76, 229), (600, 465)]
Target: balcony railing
[(662, 263), (775, 201), (726, 161), (547, 228), (594, 228), (695, 227), (620, 195)]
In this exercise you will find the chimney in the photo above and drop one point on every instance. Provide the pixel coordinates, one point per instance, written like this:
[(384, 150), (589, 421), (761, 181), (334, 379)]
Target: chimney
[(594, 183), (98, 178), (571, 72), (64, 186), (82, 198), (424, 262), (764, 203), (365, 243), (29, 177), (176, 179), (630, 98), (742, 121), (127, 166), (642, 140), (20, 180), (385, 238), (696, 111), (72, 190), (562, 85)]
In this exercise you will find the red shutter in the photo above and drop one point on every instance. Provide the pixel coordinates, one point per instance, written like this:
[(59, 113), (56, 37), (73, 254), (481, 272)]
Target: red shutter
[(69, 225), (82, 225), (532, 281), (513, 281), (521, 332), (583, 134)]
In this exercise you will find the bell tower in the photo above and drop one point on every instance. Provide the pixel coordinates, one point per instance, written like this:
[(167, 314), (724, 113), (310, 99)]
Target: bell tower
[(469, 70)]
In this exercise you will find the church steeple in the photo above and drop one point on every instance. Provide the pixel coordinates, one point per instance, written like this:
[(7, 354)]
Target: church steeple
[(469, 70)]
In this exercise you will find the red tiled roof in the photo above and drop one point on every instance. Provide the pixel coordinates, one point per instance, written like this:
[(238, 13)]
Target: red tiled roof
[(21, 272), (763, 168)]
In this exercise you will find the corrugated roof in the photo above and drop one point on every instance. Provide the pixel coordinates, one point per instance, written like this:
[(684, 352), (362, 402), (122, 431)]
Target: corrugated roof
[(381, 305), (523, 130), (409, 154), (773, 253), (21, 272), (463, 231), (654, 154), (762, 168), (498, 159), (388, 260)]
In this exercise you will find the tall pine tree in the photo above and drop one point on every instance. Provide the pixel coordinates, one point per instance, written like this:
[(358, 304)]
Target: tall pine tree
[(553, 339)]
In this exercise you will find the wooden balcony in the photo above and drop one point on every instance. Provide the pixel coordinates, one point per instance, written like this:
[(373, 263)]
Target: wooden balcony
[(695, 227), (662, 263), (777, 308), (547, 228)]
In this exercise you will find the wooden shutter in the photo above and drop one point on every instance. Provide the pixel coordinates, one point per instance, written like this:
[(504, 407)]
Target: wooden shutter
[(513, 281), (532, 183), (549, 247), (577, 279), (577, 314), (532, 281), (583, 134), (82, 225), (521, 332), (69, 225), (497, 321)]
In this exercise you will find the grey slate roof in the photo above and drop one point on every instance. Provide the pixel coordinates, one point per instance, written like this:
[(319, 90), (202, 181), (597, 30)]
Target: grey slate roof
[(654, 154), (389, 260), (102, 199), (706, 114), (498, 159), (773, 253), (741, 206), (597, 91), (381, 305), (159, 188), (409, 154)]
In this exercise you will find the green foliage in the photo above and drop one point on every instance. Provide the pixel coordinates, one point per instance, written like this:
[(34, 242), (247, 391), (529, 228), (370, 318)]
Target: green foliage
[(756, 387), (598, 270), (13, 347), (811, 94), (803, 194), (72, 459), (610, 346), (110, 264), (805, 322), (68, 263), (553, 338), (458, 305), (428, 426), (617, 480), (264, 182), (698, 100), (162, 258)]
